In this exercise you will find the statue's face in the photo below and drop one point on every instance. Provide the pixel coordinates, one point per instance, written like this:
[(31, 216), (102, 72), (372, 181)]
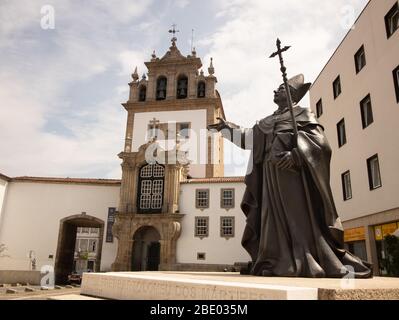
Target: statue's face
[(280, 96)]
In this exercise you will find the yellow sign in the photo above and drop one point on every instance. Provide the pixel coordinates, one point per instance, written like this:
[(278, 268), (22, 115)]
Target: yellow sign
[(389, 228), (355, 234), (381, 232), (378, 233)]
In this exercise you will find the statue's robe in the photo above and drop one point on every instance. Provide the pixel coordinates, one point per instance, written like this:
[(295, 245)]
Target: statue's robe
[(292, 227)]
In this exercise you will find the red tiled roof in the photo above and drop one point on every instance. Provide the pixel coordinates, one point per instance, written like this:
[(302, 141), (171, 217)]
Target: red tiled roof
[(68, 180), (214, 180)]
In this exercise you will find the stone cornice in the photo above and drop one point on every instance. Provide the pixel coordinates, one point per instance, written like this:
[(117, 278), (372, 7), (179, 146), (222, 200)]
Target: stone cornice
[(170, 105)]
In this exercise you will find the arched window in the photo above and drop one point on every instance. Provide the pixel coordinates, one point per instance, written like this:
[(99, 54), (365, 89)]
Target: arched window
[(182, 86), (142, 93), (201, 89), (150, 188), (161, 88)]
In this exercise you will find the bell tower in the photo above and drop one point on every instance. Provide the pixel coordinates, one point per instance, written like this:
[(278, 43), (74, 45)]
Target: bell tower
[(166, 141)]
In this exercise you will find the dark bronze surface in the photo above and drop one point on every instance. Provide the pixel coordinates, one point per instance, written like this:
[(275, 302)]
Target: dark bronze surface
[(292, 229)]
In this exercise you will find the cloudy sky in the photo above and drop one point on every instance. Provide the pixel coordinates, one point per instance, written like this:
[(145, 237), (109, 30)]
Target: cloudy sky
[(61, 87)]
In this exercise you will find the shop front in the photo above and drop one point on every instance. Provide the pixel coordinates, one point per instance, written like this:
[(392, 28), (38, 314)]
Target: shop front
[(383, 254)]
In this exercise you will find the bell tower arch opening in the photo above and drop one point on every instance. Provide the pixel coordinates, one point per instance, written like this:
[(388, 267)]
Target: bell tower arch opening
[(182, 87)]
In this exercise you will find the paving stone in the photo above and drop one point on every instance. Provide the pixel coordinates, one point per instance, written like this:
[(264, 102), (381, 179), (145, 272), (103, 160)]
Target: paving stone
[(11, 291)]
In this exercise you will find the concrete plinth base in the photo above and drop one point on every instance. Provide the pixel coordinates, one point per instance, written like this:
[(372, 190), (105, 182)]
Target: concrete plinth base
[(231, 286)]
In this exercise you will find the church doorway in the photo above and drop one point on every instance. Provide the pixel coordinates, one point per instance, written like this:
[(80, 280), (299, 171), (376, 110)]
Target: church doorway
[(146, 250), (79, 246)]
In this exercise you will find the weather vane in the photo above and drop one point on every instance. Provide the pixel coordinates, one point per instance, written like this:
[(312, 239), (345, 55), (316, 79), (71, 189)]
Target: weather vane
[(174, 31)]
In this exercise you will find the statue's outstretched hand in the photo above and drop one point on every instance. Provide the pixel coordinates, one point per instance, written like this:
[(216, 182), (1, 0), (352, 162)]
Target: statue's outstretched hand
[(218, 126)]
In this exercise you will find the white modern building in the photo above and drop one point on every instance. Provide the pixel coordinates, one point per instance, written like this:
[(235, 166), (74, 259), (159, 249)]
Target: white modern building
[(356, 99)]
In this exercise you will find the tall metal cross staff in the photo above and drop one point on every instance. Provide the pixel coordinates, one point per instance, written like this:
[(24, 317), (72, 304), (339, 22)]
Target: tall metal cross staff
[(283, 69)]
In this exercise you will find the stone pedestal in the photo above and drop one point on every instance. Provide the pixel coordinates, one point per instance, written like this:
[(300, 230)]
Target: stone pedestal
[(231, 286)]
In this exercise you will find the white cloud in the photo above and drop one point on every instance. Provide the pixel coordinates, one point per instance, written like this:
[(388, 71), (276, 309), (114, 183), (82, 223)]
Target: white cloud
[(41, 67)]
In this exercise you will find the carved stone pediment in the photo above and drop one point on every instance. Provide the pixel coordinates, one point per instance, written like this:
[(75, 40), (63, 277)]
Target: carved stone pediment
[(173, 54)]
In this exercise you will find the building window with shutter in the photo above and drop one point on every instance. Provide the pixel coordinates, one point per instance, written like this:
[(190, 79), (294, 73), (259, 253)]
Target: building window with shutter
[(319, 108), (202, 198), (201, 227), (392, 20), (396, 82), (227, 227), (341, 133), (346, 185), (366, 112), (227, 198), (373, 168), (337, 87), (360, 59), (150, 188)]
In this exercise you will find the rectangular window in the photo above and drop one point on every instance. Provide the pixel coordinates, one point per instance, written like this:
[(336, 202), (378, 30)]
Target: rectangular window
[(360, 59), (92, 245), (337, 87), (346, 185), (85, 230), (200, 255), (227, 227), (83, 245), (183, 129), (319, 108), (373, 168), (366, 111), (392, 20), (201, 227), (159, 131), (341, 133), (227, 198), (396, 82), (202, 198), (94, 230)]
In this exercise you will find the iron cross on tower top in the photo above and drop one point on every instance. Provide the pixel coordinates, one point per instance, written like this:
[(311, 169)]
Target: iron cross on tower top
[(174, 31)]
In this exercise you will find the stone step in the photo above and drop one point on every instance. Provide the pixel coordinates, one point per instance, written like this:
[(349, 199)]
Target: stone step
[(73, 297)]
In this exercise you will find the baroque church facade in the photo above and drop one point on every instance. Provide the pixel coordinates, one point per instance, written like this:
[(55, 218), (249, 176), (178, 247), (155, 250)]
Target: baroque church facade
[(177, 102), (173, 209)]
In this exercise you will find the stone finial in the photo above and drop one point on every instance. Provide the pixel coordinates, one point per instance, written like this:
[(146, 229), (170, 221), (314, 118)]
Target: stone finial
[(202, 73), (194, 52), (211, 69), (153, 56), (144, 77), (135, 75)]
